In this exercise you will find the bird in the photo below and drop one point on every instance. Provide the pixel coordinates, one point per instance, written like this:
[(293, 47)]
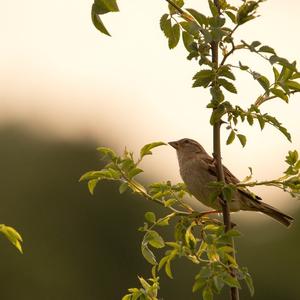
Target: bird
[(198, 169)]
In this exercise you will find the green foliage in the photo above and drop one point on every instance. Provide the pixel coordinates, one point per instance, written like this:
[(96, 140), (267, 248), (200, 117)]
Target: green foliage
[(12, 235), (101, 7), (200, 239)]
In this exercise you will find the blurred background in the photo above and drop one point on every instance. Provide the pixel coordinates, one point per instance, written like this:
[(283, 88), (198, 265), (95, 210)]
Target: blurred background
[(64, 90)]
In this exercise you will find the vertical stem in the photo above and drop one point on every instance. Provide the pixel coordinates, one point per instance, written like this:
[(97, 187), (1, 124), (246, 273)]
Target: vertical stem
[(234, 292)]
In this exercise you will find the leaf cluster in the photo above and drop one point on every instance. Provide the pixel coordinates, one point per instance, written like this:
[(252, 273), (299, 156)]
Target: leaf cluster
[(12, 235)]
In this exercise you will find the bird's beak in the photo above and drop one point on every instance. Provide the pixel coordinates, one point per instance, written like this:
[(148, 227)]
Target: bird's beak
[(174, 144)]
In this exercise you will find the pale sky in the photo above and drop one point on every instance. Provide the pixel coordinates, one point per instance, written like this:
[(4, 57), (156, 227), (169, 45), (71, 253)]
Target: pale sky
[(58, 72)]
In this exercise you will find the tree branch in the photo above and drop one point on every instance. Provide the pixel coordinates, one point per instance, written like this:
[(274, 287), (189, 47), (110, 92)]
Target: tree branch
[(234, 293)]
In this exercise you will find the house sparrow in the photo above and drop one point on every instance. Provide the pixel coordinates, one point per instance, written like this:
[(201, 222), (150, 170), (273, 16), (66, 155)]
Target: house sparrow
[(197, 169)]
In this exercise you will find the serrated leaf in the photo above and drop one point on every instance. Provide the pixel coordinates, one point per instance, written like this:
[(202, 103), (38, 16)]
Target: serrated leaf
[(200, 18), (242, 139), (280, 93), (225, 72), (174, 36), (12, 235), (150, 217), (148, 255), (227, 85), (166, 25), (146, 150)]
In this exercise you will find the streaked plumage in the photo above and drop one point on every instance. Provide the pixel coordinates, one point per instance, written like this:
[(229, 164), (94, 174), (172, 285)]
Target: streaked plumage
[(197, 169)]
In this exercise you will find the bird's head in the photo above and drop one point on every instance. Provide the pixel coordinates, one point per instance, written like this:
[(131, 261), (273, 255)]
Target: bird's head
[(187, 147)]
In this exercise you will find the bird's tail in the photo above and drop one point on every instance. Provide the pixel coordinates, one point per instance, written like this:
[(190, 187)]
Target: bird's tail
[(275, 214)]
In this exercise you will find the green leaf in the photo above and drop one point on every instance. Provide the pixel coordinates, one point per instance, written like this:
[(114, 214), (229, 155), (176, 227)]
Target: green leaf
[(155, 240), (106, 6), (174, 36), (123, 187), (168, 269), (217, 115), (188, 39), (280, 93), (263, 81), (217, 94), (97, 21), (227, 85), (172, 9), (150, 216), (261, 122), (249, 283), (144, 283), (230, 138), (104, 151), (132, 173), (228, 193), (92, 184), (162, 262), (199, 283), (207, 294), (12, 235), (276, 74), (231, 16), (218, 283), (242, 139), (213, 9), (165, 25), (250, 119), (203, 78), (233, 233), (231, 281), (146, 150), (225, 72), (200, 18), (266, 49), (148, 255), (243, 67), (294, 85)]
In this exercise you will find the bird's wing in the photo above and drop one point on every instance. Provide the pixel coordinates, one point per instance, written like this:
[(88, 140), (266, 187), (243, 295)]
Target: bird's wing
[(229, 178)]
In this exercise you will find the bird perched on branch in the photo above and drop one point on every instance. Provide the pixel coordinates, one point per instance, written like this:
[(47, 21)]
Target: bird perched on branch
[(197, 169)]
